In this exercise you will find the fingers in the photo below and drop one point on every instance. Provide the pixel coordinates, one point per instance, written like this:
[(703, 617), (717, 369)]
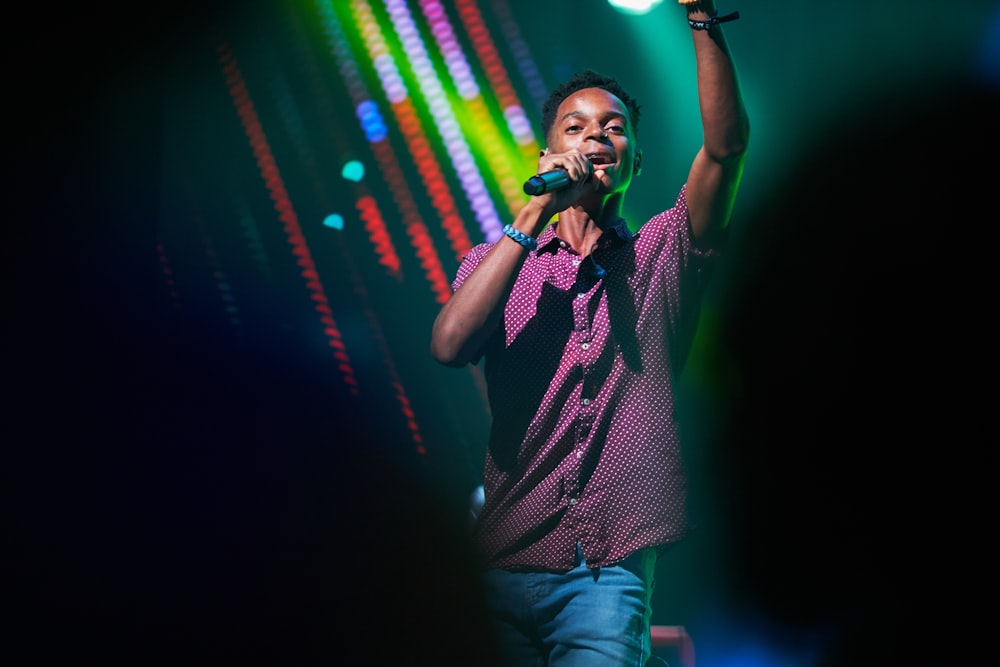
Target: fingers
[(574, 163)]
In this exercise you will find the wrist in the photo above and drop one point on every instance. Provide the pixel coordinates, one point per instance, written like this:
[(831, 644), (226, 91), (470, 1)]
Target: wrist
[(534, 216), (525, 240), (706, 22)]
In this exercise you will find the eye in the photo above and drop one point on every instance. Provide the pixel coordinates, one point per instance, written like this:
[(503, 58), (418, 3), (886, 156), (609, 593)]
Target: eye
[(615, 129), (573, 128)]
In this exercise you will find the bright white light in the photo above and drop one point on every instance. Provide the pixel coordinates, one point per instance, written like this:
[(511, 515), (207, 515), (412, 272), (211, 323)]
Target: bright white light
[(637, 7)]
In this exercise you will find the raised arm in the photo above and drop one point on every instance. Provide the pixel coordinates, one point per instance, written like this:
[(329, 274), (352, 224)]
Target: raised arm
[(718, 166)]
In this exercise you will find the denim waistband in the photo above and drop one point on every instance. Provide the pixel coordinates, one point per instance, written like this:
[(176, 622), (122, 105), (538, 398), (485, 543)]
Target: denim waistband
[(640, 562)]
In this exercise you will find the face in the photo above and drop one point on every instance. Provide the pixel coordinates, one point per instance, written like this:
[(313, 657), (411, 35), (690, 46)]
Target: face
[(597, 123)]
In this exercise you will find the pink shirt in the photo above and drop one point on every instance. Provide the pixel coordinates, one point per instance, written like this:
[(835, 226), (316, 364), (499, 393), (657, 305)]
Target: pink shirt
[(584, 440)]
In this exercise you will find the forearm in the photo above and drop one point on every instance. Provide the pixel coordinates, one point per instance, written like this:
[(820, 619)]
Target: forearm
[(474, 311), (717, 168), (723, 113)]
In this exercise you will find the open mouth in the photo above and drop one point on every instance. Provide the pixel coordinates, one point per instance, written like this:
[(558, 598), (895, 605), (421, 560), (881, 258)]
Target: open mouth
[(601, 160)]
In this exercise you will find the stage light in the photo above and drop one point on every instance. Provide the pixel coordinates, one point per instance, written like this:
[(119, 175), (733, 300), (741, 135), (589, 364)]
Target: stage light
[(635, 7), (353, 171)]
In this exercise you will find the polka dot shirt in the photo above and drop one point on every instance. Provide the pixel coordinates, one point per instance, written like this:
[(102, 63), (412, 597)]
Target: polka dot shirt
[(583, 445)]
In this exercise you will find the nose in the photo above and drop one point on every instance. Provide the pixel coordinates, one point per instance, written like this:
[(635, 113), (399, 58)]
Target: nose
[(598, 132)]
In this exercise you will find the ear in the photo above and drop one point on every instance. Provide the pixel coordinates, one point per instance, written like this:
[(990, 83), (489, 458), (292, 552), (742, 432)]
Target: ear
[(543, 152), (637, 166)]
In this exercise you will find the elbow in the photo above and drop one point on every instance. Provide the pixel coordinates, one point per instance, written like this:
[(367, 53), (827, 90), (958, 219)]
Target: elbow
[(446, 348), (732, 147), (738, 142), (447, 358), (445, 354), (732, 153)]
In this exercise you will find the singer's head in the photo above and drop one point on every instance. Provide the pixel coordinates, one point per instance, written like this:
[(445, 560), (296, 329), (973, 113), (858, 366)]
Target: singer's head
[(594, 114), (587, 79)]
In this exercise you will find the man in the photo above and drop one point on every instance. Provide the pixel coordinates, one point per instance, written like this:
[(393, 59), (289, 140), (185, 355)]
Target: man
[(584, 328)]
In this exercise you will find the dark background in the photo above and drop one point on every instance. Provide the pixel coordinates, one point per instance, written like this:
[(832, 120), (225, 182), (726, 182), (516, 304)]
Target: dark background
[(180, 489)]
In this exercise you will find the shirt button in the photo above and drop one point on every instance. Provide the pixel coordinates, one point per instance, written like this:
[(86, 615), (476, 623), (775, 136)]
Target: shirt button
[(580, 295), (579, 453), (586, 346), (572, 501), (576, 262), (562, 244), (586, 401)]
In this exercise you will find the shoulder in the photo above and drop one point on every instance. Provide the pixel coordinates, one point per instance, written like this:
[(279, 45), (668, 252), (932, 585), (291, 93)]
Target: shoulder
[(477, 252), (668, 234), (671, 222), (470, 261)]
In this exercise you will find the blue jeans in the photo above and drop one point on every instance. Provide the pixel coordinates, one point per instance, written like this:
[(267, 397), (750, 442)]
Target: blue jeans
[(581, 618)]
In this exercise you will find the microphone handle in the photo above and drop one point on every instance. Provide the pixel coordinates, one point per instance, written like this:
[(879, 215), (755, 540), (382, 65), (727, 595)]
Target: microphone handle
[(548, 181)]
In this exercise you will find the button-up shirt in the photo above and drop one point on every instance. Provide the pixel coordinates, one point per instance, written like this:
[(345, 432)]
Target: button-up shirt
[(583, 446)]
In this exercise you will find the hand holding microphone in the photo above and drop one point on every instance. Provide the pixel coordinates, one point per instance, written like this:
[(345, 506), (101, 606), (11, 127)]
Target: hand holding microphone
[(559, 172)]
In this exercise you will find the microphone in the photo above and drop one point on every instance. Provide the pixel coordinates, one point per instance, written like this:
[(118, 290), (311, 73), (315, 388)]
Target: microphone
[(547, 182)]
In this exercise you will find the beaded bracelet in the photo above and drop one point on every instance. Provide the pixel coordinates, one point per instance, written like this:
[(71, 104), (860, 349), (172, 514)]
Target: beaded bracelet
[(528, 242), (705, 25)]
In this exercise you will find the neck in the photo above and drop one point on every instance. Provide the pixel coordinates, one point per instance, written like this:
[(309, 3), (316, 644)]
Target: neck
[(581, 227)]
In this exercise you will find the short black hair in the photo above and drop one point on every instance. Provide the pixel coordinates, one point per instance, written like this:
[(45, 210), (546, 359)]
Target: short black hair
[(587, 79)]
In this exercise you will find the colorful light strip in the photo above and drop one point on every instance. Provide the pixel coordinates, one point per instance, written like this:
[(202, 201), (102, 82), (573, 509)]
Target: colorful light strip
[(374, 222), (381, 241), (370, 213), (485, 134), (518, 46), (382, 150), (286, 213), (496, 74), (447, 125), (375, 226)]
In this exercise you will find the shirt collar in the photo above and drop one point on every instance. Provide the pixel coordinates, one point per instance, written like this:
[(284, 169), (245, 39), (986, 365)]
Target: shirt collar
[(617, 233)]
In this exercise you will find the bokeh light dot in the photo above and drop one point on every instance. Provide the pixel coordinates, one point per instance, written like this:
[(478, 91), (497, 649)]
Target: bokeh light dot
[(353, 170)]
